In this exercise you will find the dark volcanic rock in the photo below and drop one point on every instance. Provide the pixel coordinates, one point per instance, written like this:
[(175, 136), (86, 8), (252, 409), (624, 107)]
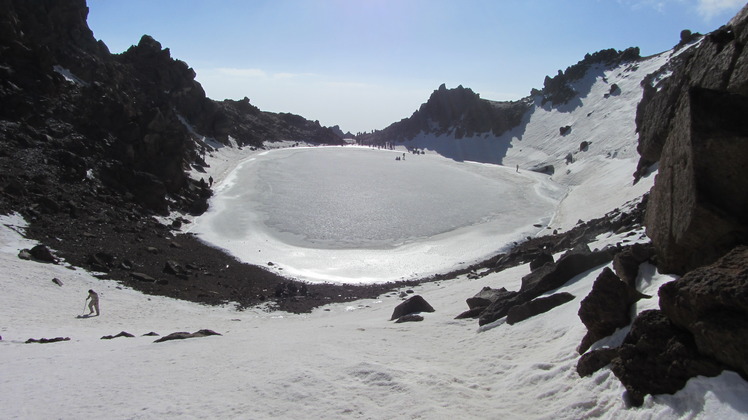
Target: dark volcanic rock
[(409, 318), (121, 334), (657, 357), (42, 253), (183, 335), (606, 308), (546, 278), (595, 360), (536, 306), (459, 109), (717, 63), (542, 259), (712, 304), (571, 264), (486, 297), (626, 262), (697, 208), (500, 308), (47, 340), (414, 304)]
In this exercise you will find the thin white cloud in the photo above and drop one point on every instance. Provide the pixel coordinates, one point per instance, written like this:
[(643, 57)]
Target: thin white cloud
[(251, 73), (242, 72), (658, 5), (708, 9)]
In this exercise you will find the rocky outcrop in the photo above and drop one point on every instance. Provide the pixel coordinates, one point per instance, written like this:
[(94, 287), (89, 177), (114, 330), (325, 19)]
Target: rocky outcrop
[(606, 308), (697, 208), (553, 276), (558, 89), (595, 360), (693, 124), (459, 109), (537, 306), (657, 357), (546, 278), (626, 262), (712, 304)]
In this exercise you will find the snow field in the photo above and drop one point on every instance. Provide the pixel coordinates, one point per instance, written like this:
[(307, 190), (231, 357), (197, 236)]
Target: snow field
[(341, 361)]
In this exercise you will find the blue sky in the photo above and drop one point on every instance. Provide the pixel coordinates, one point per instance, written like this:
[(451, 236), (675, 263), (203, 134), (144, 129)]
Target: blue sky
[(363, 64)]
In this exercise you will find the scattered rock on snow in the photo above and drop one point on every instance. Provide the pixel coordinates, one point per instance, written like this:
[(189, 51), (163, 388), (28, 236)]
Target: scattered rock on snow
[(42, 253), (536, 306), (182, 335), (414, 304), (47, 340), (121, 334), (409, 318)]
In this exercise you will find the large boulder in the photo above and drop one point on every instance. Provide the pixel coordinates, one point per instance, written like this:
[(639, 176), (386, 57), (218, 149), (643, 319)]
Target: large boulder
[(571, 264), (697, 207), (536, 306), (42, 253), (606, 308), (712, 304), (657, 357), (486, 297), (414, 304)]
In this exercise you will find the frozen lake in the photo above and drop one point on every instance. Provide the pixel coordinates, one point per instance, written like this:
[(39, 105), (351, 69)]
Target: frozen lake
[(350, 214)]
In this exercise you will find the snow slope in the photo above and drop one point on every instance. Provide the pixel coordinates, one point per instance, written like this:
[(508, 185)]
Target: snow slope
[(345, 360), (341, 361)]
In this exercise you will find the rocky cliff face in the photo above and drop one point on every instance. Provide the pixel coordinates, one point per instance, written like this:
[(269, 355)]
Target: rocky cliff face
[(693, 123), (95, 144), (120, 119)]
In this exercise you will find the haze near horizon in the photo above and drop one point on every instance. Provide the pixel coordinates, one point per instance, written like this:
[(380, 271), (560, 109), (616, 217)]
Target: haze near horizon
[(365, 64)]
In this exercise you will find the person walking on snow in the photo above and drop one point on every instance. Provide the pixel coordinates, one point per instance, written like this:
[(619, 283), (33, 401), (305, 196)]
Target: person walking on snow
[(94, 304)]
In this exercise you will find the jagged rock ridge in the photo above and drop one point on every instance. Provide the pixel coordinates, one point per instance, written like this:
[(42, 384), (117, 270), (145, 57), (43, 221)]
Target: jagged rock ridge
[(459, 111)]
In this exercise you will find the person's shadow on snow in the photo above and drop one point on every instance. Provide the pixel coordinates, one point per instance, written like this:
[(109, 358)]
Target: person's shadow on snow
[(86, 316)]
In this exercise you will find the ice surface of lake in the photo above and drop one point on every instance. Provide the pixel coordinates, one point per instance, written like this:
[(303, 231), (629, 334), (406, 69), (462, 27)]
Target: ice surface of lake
[(350, 198), (359, 215)]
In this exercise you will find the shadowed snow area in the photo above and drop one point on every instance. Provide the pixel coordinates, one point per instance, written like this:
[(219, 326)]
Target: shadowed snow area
[(353, 214)]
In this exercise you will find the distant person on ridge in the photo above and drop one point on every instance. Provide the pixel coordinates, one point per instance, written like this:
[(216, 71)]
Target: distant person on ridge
[(94, 304)]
